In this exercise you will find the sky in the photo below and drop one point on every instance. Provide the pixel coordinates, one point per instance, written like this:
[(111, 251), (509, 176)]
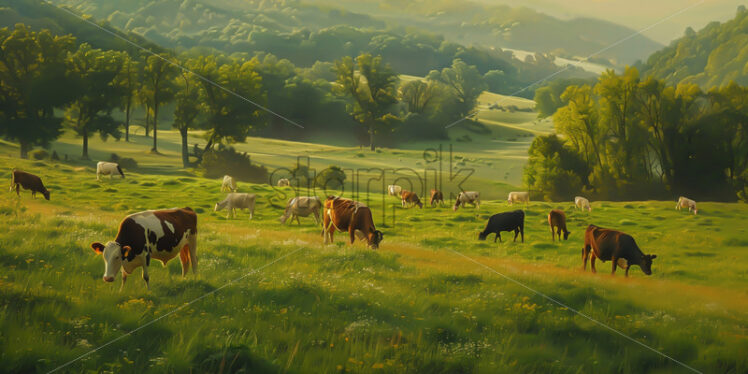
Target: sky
[(639, 14)]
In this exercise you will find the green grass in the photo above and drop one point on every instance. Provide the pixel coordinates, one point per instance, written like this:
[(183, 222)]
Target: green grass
[(412, 306)]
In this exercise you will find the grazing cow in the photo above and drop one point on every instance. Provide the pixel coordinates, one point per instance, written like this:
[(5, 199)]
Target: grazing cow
[(582, 203), (557, 221), (684, 202), (467, 197), (108, 168), (437, 197), (614, 246), (352, 216), (518, 197), (394, 190), (507, 221), (302, 206), (229, 184), (28, 181), (284, 182), (236, 200), (410, 198), (153, 234)]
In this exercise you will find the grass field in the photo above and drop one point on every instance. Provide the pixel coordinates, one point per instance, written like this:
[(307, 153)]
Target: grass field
[(416, 305)]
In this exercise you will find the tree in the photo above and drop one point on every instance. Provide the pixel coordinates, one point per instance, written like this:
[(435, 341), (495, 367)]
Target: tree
[(578, 120), (33, 82), (128, 79), (371, 85), (188, 108), (465, 82), (158, 85), (97, 94), (418, 95)]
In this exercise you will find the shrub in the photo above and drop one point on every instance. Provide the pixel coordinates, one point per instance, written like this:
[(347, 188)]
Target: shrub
[(124, 162), (39, 154), (331, 178), (226, 160)]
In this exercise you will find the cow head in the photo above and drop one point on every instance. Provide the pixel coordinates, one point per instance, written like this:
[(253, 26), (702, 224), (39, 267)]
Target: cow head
[(113, 254), (45, 192), (376, 238), (566, 235), (646, 264), (220, 205), (482, 236)]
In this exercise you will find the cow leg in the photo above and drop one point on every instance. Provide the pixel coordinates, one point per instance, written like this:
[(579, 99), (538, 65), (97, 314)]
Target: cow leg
[(495, 237), (146, 278), (18, 190), (498, 235), (184, 258), (627, 270), (192, 242), (553, 234), (298, 222), (615, 265), (516, 233), (585, 255), (592, 263)]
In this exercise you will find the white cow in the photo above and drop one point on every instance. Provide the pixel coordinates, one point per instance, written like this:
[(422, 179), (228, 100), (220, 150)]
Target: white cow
[(394, 190), (582, 203), (235, 200), (467, 197), (284, 182), (302, 206), (108, 168), (518, 197), (684, 202), (229, 184)]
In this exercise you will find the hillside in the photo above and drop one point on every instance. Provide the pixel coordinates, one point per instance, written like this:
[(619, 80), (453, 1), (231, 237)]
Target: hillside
[(711, 57)]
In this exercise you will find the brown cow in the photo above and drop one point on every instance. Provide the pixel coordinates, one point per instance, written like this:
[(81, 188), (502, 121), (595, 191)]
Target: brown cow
[(437, 197), (347, 215), (615, 246), (28, 181), (557, 220), (410, 198)]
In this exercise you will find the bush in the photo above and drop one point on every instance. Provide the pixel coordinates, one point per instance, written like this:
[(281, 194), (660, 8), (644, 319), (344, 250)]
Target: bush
[(39, 154), (331, 178), (124, 162), (226, 160)]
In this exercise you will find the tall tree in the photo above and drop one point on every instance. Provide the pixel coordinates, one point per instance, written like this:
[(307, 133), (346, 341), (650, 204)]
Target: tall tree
[(188, 108), (33, 82), (98, 93), (418, 95), (371, 84), (578, 120), (158, 76), (128, 79), (465, 81)]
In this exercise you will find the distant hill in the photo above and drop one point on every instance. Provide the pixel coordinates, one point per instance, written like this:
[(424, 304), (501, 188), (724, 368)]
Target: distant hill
[(711, 57), (41, 15), (502, 26)]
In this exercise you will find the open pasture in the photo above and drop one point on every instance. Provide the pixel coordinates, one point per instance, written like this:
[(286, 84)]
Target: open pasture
[(415, 305)]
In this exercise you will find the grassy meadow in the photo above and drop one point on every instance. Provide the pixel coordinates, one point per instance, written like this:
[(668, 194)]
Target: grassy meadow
[(415, 305)]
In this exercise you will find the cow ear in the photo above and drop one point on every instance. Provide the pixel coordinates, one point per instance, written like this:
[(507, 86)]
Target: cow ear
[(126, 251), (97, 247)]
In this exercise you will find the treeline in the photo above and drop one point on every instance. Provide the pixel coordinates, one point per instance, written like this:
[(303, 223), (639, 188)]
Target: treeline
[(229, 97), (631, 138)]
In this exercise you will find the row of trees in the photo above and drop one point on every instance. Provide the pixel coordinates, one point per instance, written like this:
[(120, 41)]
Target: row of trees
[(628, 137), (97, 91)]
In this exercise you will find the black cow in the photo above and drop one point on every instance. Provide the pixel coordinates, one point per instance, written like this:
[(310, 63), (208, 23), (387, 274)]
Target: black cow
[(507, 221)]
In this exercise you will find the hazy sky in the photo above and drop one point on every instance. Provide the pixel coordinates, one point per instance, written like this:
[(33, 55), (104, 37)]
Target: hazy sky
[(639, 14)]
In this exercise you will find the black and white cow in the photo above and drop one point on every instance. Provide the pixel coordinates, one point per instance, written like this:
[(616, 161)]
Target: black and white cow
[(152, 234)]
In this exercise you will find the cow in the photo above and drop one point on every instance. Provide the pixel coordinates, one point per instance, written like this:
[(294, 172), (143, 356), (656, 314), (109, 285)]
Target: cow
[(410, 198), (684, 202), (557, 221), (518, 197), (284, 182), (108, 168), (28, 181), (507, 221), (394, 190), (347, 215), (236, 200), (302, 206), (229, 184), (152, 234), (437, 197), (614, 246), (467, 197), (582, 203)]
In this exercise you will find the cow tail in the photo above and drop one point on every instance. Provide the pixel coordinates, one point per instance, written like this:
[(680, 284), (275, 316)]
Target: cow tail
[(120, 171)]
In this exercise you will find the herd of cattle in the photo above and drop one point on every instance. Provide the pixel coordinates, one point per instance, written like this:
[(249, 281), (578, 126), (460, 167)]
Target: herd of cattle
[(164, 234)]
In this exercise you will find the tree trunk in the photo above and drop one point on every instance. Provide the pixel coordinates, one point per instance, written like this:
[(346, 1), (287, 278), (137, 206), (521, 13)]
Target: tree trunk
[(185, 148), (155, 128), (25, 147), (147, 121), (371, 140), (85, 146)]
